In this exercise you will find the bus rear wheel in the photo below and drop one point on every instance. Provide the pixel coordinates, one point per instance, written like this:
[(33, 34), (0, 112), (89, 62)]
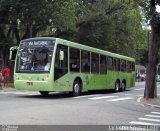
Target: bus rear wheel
[(77, 88), (44, 93), (123, 86), (117, 86)]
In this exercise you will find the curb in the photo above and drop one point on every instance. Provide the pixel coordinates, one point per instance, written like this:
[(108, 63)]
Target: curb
[(139, 100)]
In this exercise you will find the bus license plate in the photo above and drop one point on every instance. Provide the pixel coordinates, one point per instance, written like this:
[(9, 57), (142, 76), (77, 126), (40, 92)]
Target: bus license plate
[(29, 83)]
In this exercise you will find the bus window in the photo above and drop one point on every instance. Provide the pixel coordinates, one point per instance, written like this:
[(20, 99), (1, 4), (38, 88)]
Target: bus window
[(123, 65), (94, 63), (133, 66), (74, 60), (128, 66), (110, 63), (117, 64), (61, 66), (85, 61), (103, 64)]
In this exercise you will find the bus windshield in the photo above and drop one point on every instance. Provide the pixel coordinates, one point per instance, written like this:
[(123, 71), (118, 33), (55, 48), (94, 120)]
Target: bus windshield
[(35, 56)]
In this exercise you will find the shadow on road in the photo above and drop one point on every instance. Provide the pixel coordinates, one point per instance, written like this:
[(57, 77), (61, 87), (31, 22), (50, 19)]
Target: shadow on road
[(64, 95)]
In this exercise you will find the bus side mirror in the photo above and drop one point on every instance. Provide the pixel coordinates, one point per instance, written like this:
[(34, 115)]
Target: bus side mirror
[(61, 55), (13, 52)]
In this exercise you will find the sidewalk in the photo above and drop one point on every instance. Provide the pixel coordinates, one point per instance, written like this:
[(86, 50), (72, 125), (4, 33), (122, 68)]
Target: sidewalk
[(150, 102), (7, 89)]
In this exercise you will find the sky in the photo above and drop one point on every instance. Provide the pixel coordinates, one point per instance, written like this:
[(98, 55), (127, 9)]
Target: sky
[(158, 8)]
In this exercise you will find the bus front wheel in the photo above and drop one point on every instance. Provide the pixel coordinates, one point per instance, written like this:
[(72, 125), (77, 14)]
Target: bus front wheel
[(77, 89), (117, 86), (44, 93)]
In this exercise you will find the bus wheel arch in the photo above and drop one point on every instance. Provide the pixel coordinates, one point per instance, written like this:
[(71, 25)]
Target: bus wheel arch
[(117, 85), (123, 85), (77, 86), (44, 93)]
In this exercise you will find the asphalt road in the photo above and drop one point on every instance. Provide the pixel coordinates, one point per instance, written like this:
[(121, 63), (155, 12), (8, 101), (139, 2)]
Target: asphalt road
[(92, 108)]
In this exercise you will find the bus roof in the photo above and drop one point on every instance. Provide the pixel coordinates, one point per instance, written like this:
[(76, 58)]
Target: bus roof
[(103, 52), (83, 47), (39, 38)]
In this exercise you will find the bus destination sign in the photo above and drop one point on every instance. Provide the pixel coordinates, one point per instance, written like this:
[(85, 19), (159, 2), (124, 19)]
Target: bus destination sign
[(36, 43)]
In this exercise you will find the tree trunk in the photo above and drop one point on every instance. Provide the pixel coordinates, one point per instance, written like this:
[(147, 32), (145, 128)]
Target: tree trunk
[(28, 32), (16, 32), (150, 87)]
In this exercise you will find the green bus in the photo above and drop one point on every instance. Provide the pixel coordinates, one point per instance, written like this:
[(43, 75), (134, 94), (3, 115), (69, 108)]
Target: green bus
[(47, 64)]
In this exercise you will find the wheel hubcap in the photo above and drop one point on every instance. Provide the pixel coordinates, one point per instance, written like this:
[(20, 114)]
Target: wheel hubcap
[(117, 87), (76, 88), (123, 86)]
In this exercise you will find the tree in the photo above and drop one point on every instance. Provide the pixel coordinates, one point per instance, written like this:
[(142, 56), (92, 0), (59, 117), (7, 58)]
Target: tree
[(5, 31), (34, 16), (112, 25), (154, 17), (21, 19)]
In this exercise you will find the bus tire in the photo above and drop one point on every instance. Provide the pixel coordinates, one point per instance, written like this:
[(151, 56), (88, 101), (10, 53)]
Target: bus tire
[(44, 93), (117, 86), (77, 88), (123, 86)]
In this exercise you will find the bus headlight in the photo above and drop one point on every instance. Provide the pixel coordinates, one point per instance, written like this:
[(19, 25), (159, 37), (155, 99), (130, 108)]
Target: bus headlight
[(46, 78), (17, 78)]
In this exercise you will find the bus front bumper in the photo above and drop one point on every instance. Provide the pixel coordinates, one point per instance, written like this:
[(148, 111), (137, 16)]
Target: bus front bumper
[(33, 85)]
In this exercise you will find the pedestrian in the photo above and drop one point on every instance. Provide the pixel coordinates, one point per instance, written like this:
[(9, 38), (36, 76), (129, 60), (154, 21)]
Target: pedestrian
[(6, 74)]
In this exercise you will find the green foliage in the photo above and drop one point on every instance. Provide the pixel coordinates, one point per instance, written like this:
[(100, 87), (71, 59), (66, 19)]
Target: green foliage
[(113, 25), (28, 18), (20, 19)]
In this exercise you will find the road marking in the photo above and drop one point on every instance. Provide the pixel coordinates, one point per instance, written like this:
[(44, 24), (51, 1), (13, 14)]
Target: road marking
[(155, 116), (132, 95), (155, 113), (121, 99), (85, 96), (142, 123), (147, 119), (139, 89), (102, 97)]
